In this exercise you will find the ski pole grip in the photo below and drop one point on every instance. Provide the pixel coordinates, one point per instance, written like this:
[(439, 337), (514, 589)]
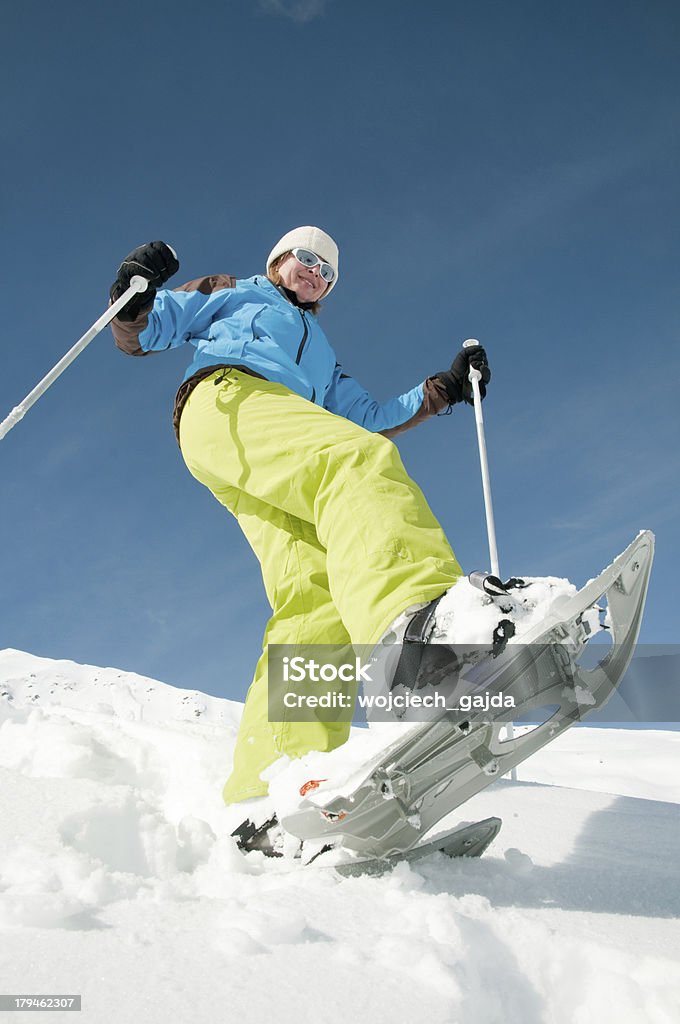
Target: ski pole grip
[(474, 374)]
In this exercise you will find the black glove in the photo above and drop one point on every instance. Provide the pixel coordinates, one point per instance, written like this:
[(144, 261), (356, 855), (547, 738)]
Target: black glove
[(157, 262), (457, 379)]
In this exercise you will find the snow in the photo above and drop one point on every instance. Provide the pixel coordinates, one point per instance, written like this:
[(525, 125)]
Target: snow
[(119, 879), (466, 616)]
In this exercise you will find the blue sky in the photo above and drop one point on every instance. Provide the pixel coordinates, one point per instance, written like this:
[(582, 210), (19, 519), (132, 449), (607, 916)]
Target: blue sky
[(502, 171)]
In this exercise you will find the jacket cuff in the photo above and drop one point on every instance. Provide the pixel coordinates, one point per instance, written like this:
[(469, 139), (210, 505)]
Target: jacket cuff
[(126, 333), (435, 400)]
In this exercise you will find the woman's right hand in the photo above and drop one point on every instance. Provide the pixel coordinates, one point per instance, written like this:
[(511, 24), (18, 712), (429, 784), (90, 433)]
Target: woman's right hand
[(157, 262)]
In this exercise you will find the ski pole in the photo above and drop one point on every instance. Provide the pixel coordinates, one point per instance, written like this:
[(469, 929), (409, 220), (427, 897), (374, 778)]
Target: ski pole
[(137, 284), (475, 377)]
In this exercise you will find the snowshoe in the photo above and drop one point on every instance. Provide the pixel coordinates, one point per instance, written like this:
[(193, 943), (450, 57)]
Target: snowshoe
[(438, 765)]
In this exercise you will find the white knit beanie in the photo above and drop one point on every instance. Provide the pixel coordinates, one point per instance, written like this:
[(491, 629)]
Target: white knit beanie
[(308, 238)]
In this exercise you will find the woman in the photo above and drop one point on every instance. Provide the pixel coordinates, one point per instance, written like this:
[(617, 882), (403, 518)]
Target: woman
[(299, 453)]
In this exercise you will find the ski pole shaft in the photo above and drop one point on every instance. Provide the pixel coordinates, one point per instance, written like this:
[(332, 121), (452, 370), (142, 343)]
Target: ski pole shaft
[(137, 284), (475, 377)]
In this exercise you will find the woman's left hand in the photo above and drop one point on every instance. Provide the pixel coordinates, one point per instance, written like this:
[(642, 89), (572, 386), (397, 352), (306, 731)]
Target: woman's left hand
[(457, 379)]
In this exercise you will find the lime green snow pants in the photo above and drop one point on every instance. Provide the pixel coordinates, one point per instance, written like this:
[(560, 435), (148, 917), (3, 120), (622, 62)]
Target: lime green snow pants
[(345, 538)]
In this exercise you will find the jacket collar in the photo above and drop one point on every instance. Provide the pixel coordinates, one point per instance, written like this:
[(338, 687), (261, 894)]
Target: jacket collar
[(287, 294)]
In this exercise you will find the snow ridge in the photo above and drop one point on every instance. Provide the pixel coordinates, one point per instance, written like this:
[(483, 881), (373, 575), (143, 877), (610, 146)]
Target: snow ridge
[(119, 879)]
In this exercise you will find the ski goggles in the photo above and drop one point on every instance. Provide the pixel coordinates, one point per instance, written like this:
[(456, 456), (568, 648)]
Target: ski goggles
[(309, 259)]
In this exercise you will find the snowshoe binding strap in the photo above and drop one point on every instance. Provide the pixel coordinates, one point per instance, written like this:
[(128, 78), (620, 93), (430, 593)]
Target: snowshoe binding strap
[(493, 586), (421, 625), (413, 645), (422, 664), (503, 632)]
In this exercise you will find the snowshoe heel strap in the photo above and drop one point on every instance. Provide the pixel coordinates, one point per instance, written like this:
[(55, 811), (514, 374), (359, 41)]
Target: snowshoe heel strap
[(415, 638), (422, 623)]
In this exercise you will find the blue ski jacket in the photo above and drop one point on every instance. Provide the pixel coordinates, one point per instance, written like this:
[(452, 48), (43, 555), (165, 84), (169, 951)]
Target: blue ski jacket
[(251, 324)]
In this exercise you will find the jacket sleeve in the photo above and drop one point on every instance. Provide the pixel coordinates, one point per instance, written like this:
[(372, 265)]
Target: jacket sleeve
[(174, 316), (346, 397)]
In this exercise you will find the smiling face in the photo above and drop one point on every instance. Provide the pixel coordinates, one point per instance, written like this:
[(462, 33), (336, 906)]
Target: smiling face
[(306, 282)]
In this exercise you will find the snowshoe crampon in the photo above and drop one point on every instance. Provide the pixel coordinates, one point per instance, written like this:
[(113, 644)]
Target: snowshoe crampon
[(438, 765), (466, 840)]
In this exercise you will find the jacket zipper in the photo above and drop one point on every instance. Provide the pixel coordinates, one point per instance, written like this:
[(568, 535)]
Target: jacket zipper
[(302, 348), (304, 339)]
